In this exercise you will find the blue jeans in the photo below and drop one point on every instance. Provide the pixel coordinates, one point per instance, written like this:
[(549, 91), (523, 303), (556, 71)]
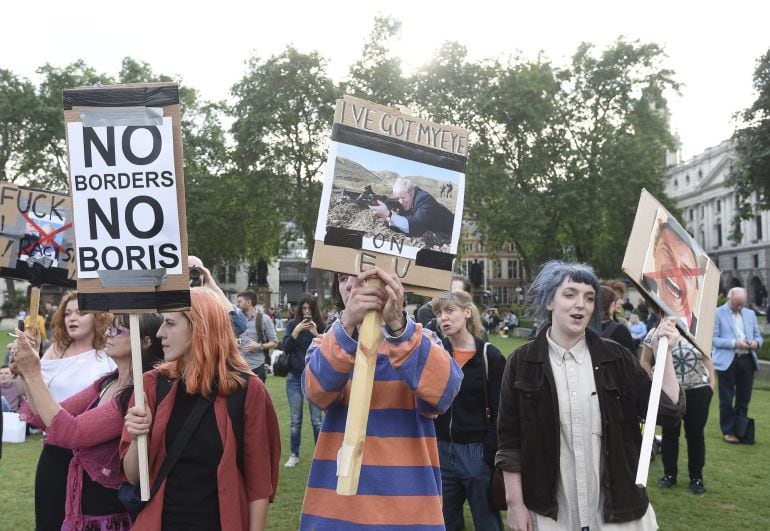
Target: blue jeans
[(465, 475), (295, 396), (735, 383)]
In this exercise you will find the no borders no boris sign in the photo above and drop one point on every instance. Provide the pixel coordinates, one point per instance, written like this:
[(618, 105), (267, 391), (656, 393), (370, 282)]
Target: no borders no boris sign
[(127, 188)]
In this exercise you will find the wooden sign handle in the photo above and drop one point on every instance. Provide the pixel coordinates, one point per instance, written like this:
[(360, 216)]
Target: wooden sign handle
[(643, 467), (350, 455), (136, 373), (34, 308)]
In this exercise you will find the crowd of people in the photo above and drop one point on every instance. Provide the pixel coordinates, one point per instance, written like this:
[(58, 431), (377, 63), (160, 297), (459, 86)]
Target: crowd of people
[(559, 417)]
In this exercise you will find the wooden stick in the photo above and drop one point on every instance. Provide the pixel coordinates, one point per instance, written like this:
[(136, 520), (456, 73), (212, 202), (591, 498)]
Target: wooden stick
[(643, 467), (34, 308), (351, 453), (136, 370)]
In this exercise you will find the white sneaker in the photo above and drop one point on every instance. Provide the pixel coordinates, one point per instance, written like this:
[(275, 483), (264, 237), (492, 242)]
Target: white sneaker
[(292, 461)]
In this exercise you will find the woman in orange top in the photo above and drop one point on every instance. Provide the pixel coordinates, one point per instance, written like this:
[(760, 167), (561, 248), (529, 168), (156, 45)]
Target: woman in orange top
[(208, 488), (467, 434)]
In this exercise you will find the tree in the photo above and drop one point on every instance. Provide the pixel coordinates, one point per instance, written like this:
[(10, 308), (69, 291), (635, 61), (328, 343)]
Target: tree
[(377, 75), (750, 176), (19, 108), (565, 153), (283, 115), (46, 164), (614, 120)]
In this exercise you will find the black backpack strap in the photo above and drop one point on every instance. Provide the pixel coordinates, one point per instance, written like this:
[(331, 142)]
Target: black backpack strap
[(162, 387), (235, 407)]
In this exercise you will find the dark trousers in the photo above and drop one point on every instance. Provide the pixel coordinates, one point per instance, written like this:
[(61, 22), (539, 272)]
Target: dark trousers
[(698, 402), (735, 383), (51, 487)]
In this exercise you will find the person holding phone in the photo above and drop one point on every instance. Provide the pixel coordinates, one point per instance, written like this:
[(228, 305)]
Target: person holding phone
[(298, 337)]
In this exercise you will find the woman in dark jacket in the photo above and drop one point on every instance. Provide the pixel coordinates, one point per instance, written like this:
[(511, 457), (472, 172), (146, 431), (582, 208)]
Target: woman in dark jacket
[(570, 403), (297, 338), (612, 329), (466, 433)]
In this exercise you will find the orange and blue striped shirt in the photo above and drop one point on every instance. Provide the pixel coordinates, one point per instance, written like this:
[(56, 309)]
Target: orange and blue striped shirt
[(400, 484)]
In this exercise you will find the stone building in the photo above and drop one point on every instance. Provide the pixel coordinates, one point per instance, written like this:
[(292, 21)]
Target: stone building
[(707, 207), (502, 272)]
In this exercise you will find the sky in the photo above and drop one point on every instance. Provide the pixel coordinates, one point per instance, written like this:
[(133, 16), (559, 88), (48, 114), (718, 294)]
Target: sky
[(712, 46)]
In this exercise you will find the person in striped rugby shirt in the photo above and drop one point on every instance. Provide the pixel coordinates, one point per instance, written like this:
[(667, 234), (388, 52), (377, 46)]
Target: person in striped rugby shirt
[(415, 380)]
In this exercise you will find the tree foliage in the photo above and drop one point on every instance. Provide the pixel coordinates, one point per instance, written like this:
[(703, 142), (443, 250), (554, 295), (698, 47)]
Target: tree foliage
[(377, 75), (283, 114), (558, 155), (750, 176)]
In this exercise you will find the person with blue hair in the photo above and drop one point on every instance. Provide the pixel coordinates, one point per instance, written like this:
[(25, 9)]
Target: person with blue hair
[(568, 423)]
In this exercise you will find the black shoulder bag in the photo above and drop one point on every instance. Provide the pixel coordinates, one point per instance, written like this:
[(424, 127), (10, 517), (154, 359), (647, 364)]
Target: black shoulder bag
[(496, 483), (129, 494)]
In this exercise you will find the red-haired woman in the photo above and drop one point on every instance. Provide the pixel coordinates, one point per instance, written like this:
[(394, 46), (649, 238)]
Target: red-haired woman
[(207, 488), (73, 362)]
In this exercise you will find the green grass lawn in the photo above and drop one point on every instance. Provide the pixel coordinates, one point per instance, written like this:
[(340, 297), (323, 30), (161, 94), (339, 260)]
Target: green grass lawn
[(734, 475)]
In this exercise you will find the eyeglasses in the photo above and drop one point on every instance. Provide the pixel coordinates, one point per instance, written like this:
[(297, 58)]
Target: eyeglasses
[(114, 331)]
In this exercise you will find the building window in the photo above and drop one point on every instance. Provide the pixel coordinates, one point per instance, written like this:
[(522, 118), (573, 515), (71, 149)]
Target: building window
[(511, 269), (702, 211), (735, 263), (700, 174), (718, 231), (496, 269), (687, 179), (758, 221), (719, 205), (756, 260), (691, 215)]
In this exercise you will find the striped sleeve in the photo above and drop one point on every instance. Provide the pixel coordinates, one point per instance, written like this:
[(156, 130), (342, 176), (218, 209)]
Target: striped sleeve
[(426, 367), (328, 365)]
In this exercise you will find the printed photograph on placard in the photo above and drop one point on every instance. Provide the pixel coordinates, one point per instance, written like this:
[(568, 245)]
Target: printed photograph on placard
[(401, 205), (43, 238), (674, 270)]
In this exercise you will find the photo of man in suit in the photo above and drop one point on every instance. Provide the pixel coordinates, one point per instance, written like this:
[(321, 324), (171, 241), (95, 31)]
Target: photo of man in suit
[(675, 276), (420, 211), (734, 352)]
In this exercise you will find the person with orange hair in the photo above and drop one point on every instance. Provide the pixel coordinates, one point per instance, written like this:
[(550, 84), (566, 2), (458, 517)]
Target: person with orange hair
[(222, 481)]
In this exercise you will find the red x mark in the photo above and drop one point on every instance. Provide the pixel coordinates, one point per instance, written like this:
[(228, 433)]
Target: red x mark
[(45, 237)]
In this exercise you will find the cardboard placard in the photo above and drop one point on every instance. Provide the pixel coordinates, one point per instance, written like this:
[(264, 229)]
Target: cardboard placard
[(672, 271), (127, 186), (36, 226), (377, 153)]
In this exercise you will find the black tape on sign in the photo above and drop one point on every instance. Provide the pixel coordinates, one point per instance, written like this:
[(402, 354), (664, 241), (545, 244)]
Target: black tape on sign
[(398, 148), (434, 259), (121, 97), (54, 276), (341, 237), (160, 301)]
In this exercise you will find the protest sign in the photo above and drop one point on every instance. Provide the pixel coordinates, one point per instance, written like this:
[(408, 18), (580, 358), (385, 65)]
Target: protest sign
[(411, 169), (672, 271), (36, 228), (676, 276), (127, 188), (392, 198)]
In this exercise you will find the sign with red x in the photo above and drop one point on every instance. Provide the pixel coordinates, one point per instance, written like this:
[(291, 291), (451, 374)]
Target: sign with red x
[(672, 271), (36, 227)]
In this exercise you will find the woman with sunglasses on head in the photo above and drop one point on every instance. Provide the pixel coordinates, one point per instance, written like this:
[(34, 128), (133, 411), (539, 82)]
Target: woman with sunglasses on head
[(89, 424), (74, 361), (223, 480)]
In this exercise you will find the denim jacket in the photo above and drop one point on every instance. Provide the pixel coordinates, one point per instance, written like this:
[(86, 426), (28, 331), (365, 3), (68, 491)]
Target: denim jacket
[(528, 425)]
